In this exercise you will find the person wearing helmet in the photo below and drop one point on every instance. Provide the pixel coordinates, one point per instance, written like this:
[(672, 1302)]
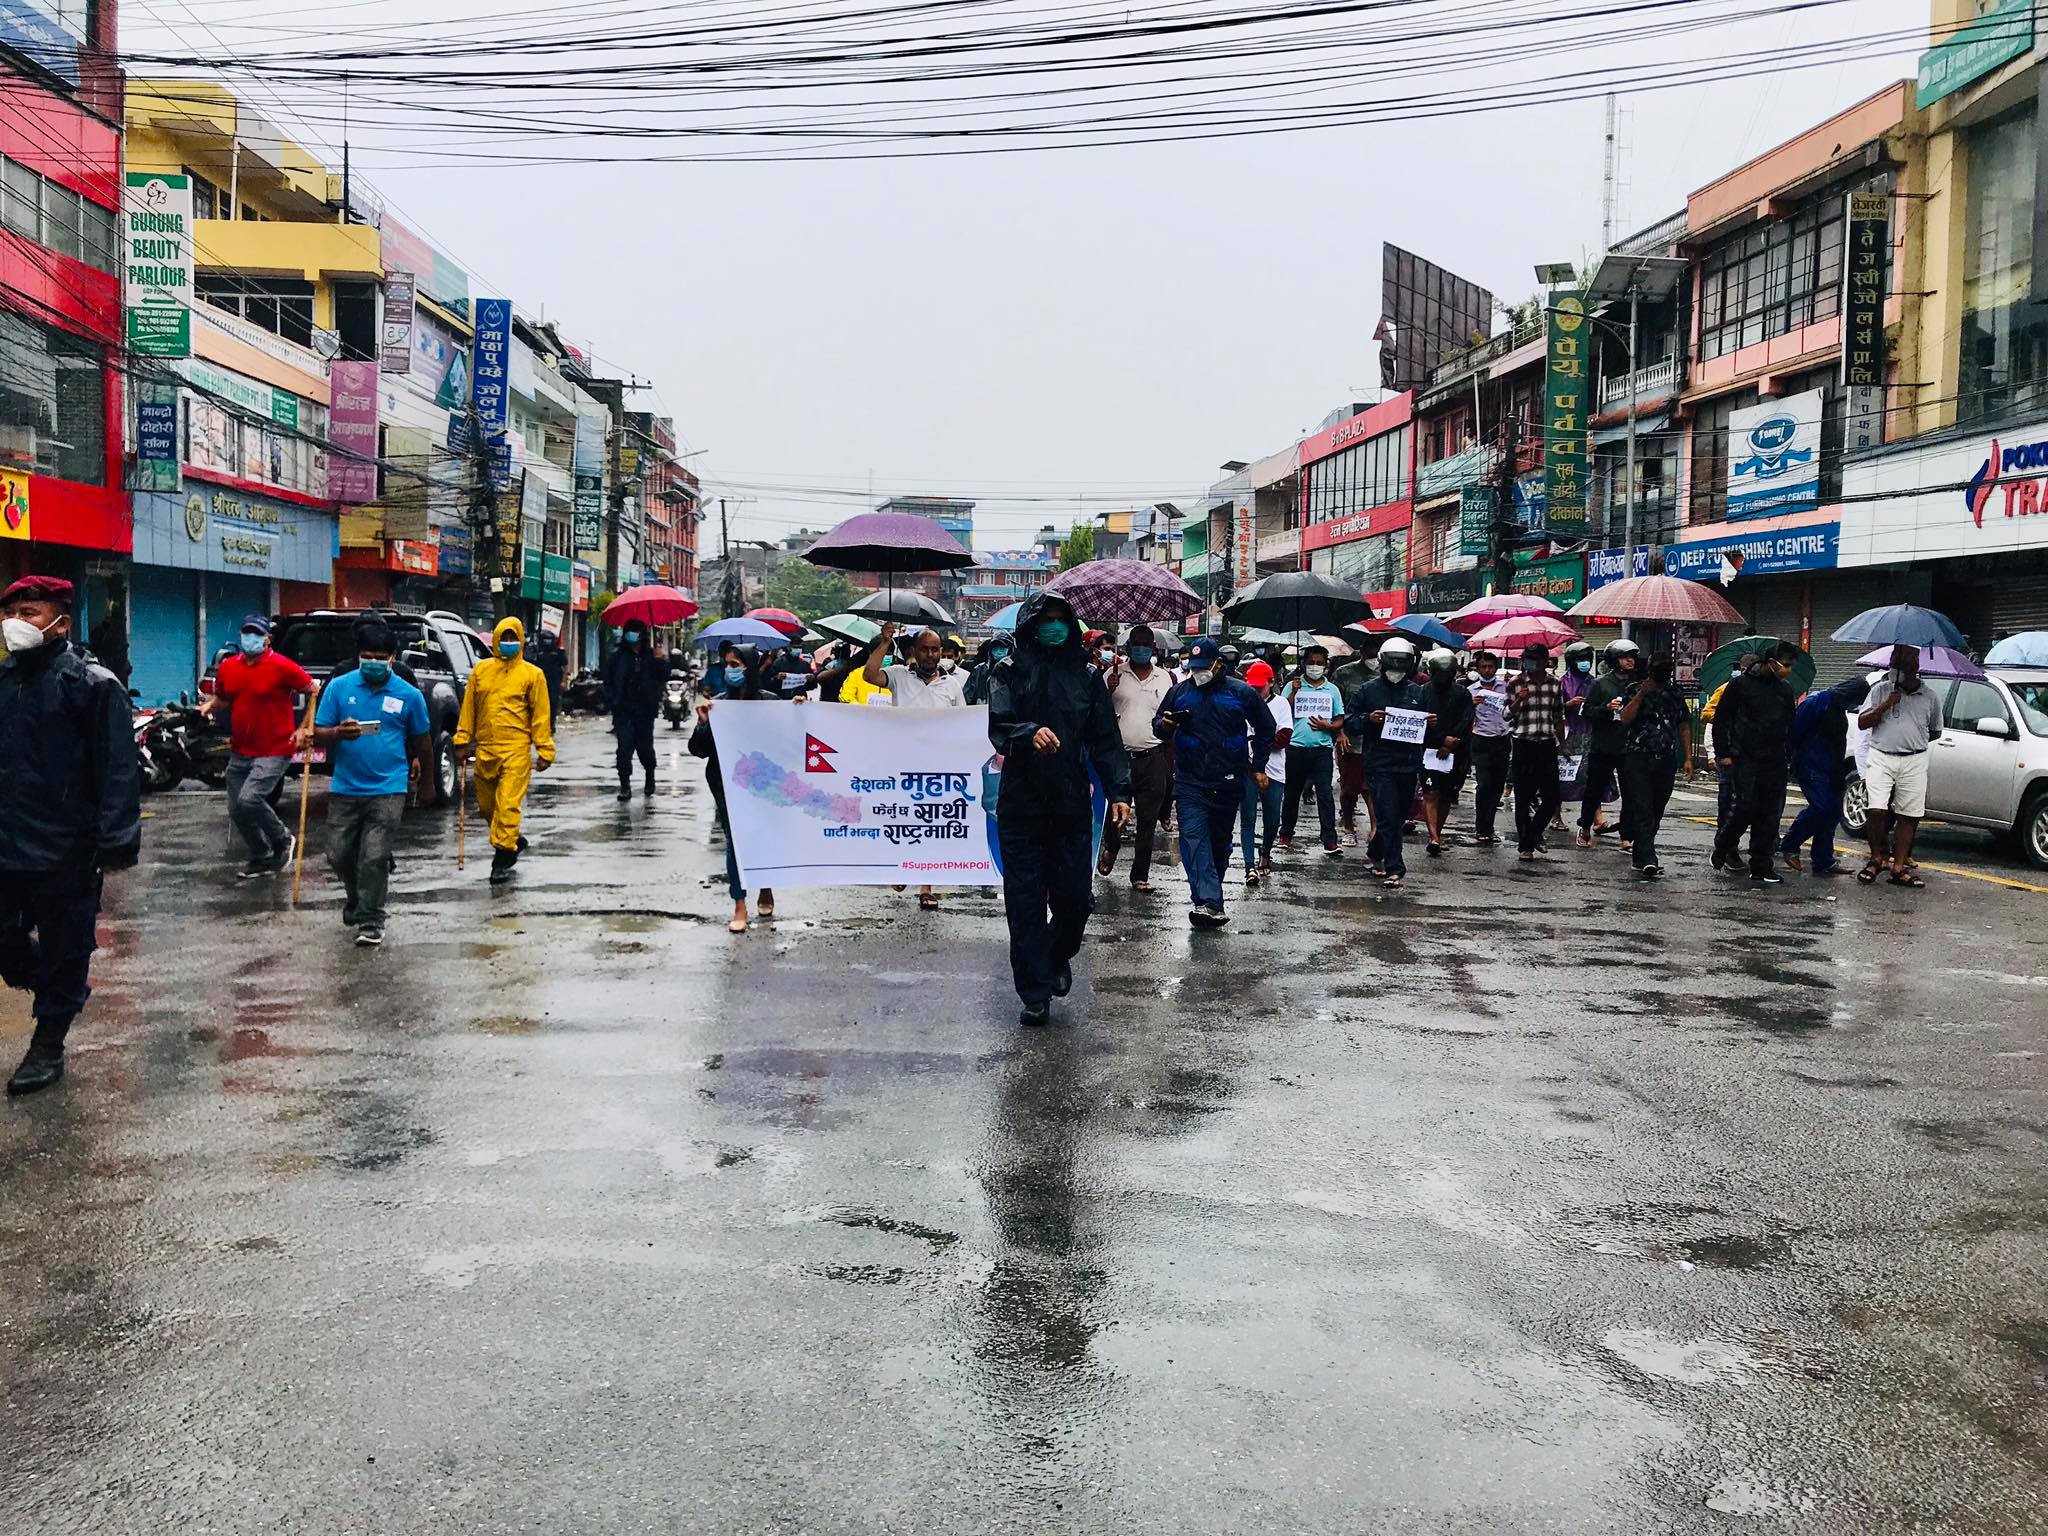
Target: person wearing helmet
[(1448, 740), (1577, 682), (1659, 742), (1222, 733), (1489, 743), (1231, 657), (1349, 678), (1607, 738), (1390, 766), (1535, 715)]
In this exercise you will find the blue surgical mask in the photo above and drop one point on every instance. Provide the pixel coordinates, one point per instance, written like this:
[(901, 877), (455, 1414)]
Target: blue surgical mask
[(734, 676), (252, 645), (508, 648), (1583, 666), (1053, 632), (631, 637), (376, 673), (997, 652), (1141, 655)]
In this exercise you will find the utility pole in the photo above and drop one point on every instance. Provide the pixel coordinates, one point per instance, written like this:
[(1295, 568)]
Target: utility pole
[(1628, 487), (729, 592), (1609, 192), (1506, 528), (486, 529)]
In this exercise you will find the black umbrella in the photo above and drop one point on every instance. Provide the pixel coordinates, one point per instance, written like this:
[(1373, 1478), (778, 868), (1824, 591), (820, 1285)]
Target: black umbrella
[(911, 607), (1297, 600)]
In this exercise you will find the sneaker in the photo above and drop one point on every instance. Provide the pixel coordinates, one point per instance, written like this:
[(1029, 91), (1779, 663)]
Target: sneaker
[(369, 936), (1350, 839), (1063, 983), (1285, 844), (1034, 1014), (1485, 842), (1652, 871), (1206, 917), (1769, 877), (1331, 850), (1719, 860), (255, 869), (1436, 850), (282, 859)]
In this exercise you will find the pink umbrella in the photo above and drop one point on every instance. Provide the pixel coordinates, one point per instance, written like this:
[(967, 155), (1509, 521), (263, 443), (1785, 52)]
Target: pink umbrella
[(1660, 599), (652, 604), (1935, 661), (1512, 635), (1482, 611)]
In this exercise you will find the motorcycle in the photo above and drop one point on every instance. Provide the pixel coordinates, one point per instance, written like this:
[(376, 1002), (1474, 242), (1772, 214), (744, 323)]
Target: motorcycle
[(585, 691), (176, 743), (675, 702)]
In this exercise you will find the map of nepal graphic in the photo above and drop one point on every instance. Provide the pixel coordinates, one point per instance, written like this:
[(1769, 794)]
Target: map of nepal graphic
[(766, 779)]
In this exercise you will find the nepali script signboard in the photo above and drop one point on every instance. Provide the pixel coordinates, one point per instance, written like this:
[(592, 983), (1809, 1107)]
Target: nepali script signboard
[(846, 794)]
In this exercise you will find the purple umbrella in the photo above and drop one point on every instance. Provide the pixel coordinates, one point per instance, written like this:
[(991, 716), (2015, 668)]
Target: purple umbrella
[(1125, 592), (1935, 661), (889, 541)]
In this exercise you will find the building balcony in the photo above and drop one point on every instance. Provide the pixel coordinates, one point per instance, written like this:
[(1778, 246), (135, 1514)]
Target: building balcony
[(310, 251), (1656, 382)]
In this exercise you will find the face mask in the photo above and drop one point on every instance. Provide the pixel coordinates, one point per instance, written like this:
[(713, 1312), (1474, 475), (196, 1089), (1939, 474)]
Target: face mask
[(508, 648), (734, 676), (22, 635), (947, 664), (252, 645), (1203, 678), (1315, 674), (376, 673), (996, 653), (1141, 655), (1053, 632), (1582, 667), (630, 638), (1395, 674)]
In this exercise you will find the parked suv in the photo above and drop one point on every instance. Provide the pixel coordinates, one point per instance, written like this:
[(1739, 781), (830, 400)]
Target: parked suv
[(436, 649), (1990, 766)]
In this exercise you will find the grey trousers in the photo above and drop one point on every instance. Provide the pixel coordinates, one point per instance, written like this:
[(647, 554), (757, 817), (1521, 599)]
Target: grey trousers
[(250, 781), (359, 833)]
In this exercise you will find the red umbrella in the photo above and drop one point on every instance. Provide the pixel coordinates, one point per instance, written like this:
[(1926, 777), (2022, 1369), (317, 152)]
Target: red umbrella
[(1659, 599), (1529, 629), (1482, 611), (778, 618), (651, 604)]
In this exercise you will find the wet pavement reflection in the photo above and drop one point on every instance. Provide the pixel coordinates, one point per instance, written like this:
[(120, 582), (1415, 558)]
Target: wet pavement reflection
[(1509, 1202)]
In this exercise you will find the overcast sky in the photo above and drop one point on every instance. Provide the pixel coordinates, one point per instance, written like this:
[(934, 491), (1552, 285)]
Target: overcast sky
[(1114, 321)]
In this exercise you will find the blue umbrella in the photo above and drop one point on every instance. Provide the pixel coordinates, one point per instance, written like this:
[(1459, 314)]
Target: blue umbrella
[(745, 631), (1427, 626), (2025, 650), (1902, 624), (1005, 618)]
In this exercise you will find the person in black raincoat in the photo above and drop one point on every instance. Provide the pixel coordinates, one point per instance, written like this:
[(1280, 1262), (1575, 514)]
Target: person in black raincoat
[(1048, 716), (70, 809), (634, 679), (553, 661)]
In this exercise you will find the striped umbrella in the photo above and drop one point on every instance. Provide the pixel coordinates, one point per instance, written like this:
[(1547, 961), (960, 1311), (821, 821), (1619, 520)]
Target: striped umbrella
[(1657, 599), (1513, 635), (1125, 592), (1482, 611)]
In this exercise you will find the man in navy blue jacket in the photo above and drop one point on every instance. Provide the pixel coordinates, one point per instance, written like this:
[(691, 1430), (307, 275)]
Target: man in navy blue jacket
[(1220, 729)]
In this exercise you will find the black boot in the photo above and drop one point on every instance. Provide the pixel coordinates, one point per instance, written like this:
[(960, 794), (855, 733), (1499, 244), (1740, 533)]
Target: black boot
[(44, 1063), (502, 860), (625, 787), (648, 787)]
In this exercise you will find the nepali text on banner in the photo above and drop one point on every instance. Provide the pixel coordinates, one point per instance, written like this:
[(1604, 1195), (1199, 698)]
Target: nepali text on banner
[(841, 794)]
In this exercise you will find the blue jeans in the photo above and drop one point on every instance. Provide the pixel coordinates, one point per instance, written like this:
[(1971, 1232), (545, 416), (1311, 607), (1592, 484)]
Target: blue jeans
[(1819, 819), (1206, 819), (1271, 798), (1392, 794)]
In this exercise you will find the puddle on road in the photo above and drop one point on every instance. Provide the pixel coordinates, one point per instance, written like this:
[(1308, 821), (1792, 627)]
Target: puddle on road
[(1746, 1496), (505, 1024), (1689, 1362)]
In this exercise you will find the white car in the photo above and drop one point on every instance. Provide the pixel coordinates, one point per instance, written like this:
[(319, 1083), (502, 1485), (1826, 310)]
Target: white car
[(1989, 766)]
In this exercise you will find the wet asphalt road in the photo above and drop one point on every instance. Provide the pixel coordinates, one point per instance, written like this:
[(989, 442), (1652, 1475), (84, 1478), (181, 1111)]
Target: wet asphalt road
[(1510, 1203)]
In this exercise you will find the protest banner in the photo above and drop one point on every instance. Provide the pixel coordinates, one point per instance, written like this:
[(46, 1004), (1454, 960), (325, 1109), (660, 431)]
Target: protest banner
[(842, 794), (1405, 725)]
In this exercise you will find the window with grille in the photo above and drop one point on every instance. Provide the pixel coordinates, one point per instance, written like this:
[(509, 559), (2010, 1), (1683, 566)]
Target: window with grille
[(1776, 276)]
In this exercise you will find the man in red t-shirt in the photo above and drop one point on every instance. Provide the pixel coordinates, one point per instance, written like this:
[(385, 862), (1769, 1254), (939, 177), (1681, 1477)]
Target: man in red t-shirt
[(256, 686)]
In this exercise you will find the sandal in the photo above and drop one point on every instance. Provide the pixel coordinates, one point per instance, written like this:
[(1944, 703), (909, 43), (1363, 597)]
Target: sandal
[(1867, 875), (928, 903), (1791, 861), (765, 908), (1906, 877), (1391, 883), (738, 924), (1141, 885)]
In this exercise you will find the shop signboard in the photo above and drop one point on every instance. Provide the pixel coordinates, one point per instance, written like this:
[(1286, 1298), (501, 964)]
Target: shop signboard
[(1808, 547), (2004, 31), (236, 532), (458, 552), (399, 295), (1532, 503), (352, 431), (47, 32), (1445, 591), (1566, 420), (1475, 520), (14, 519), (1864, 280), (156, 224), (587, 516), (1605, 565), (1244, 545), (1561, 578), (490, 383), (579, 586), (1981, 495), (156, 465), (557, 579), (1774, 457)]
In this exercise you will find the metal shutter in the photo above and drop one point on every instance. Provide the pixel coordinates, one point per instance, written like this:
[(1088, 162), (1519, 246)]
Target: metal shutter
[(2021, 604), (163, 621), (228, 600)]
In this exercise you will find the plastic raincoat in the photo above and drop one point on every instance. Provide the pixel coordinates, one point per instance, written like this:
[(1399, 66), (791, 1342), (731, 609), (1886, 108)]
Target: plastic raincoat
[(505, 717)]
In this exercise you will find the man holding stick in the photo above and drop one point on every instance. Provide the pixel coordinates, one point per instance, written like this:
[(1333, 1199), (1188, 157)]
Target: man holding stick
[(256, 686)]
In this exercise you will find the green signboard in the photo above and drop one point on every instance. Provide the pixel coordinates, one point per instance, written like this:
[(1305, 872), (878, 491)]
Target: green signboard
[(532, 567), (1475, 520), (555, 578), (156, 243), (1561, 578), (1566, 429), (284, 408), (2004, 32)]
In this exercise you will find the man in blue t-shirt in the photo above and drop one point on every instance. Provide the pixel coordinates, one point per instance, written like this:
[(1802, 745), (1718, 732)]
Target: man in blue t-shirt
[(374, 726), (1312, 749)]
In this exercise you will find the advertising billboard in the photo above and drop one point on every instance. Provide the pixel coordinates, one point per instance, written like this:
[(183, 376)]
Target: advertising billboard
[(1426, 314)]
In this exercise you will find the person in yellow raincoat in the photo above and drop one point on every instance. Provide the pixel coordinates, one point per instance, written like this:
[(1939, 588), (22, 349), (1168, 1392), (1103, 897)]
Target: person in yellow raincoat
[(505, 727)]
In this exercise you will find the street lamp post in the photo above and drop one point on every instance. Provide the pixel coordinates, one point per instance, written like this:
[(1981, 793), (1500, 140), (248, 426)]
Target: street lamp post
[(1628, 474)]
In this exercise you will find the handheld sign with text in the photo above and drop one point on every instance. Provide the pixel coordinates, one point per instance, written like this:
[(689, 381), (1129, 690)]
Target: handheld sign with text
[(1405, 725)]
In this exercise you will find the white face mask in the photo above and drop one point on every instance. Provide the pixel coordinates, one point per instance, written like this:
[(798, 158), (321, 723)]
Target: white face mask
[(1315, 674), (1203, 679), (946, 664), (22, 635)]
